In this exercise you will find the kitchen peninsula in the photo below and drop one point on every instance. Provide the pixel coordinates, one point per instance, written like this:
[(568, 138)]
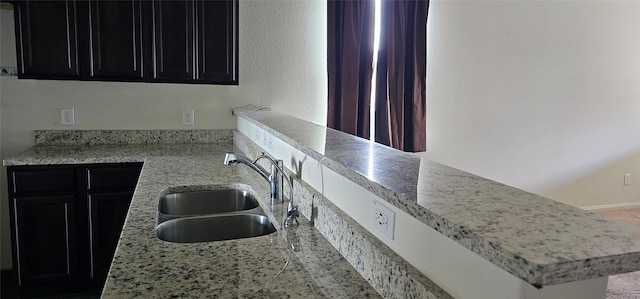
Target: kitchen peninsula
[(510, 241), (145, 266)]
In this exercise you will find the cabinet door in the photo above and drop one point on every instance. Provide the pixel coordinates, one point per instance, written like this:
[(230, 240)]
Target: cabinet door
[(217, 42), (47, 44), (107, 214), (173, 40), (65, 223), (115, 40), (195, 41), (45, 240), (109, 191)]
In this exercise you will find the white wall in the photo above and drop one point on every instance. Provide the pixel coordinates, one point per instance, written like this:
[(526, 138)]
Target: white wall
[(540, 95), (282, 65)]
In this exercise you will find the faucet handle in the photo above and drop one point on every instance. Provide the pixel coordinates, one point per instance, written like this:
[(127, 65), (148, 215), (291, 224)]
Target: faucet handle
[(230, 158), (292, 215)]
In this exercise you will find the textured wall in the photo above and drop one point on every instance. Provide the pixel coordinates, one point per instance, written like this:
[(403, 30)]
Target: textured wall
[(282, 66), (540, 95)]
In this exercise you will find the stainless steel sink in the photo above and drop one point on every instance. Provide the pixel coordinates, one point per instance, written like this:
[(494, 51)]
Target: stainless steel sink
[(195, 203), (214, 228)]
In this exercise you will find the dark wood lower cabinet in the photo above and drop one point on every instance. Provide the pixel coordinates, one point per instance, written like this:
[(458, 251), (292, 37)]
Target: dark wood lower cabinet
[(107, 214), (48, 239), (65, 224)]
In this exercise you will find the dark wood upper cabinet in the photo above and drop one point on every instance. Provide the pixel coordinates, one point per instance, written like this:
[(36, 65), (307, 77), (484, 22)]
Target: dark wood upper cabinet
[(195, 41), (217, 37), (178, 41), (173, 40), (47, 39), (115, 39)]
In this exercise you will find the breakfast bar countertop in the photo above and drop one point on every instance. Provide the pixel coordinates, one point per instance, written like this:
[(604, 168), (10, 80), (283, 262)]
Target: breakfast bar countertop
[(539, 240), (144, 266)]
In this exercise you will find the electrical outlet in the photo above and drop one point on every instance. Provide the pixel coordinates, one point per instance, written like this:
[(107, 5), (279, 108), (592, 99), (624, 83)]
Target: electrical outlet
[(271, 142), (383, 219), (188, 117), (268, 141), (8, 71), (627, 179), (257, 134), (67, 117), (264, 138)]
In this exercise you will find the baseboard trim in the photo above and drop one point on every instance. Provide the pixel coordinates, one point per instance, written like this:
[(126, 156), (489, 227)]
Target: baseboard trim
[(612, 207)]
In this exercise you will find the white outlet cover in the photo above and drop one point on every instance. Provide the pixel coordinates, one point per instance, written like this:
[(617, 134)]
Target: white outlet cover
[(257, 134), (271, 143), (389, 229), (188, 117), (8, 71), (67, 117)]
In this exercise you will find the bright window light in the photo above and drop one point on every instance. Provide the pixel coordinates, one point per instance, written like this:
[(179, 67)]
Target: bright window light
[(376, 48)]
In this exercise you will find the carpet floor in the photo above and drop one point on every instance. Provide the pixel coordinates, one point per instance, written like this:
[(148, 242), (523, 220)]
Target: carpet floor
[(624, 286)]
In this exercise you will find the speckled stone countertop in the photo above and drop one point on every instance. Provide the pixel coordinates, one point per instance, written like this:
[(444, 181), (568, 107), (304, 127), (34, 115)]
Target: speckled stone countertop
[(147, 267), (542, 241)]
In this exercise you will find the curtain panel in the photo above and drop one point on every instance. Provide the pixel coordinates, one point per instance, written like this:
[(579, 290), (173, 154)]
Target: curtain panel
[(401, 120), (401, 73), (350, 27)]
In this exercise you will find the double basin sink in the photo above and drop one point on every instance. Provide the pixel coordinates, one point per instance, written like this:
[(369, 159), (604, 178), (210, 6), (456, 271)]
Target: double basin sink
[(211, 215)]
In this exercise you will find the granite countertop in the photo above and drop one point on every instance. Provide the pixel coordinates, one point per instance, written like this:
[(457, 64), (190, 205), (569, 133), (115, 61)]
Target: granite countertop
[(539, 240), (145, 266)]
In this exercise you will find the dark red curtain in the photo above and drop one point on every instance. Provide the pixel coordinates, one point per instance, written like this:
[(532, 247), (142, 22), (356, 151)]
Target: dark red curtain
[(401, 73), (401, 76), (350, 29)]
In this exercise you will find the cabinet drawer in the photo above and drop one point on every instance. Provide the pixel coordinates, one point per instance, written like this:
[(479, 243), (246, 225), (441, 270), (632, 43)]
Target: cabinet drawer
[(113, 177), (43, 179)]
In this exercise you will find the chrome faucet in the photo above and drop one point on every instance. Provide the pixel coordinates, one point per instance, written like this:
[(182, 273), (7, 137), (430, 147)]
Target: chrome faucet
[(274, 177)]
